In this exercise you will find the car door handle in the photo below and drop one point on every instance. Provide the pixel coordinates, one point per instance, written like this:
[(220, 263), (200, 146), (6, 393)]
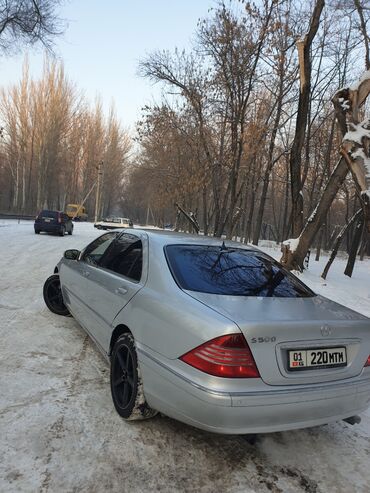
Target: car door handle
[(120, 290), (85, 273)]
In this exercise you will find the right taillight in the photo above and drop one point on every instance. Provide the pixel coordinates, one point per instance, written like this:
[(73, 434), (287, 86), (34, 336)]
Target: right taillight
[(227, 356), (367, 361)]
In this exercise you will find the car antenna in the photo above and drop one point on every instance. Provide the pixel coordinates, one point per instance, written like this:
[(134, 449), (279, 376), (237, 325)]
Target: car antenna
[(223, 246)]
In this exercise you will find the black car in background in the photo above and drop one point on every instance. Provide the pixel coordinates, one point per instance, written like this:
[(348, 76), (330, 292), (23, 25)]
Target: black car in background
[(53, 222)]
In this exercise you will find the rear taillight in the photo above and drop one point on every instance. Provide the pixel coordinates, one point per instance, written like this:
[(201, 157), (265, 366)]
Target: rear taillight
[(368, 361), (226, 356), (38, 215), (59, 218)]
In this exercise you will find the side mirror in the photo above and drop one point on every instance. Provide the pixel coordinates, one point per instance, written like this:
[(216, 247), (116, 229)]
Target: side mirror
[(72, 254)]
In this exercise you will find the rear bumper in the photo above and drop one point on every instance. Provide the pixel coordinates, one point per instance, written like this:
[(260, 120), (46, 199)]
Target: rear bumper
[(51, 228), (266, 410)]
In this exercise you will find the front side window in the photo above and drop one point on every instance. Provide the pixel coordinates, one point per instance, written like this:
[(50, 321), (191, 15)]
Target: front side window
[(232, 271), (95, 251), (125, 257)]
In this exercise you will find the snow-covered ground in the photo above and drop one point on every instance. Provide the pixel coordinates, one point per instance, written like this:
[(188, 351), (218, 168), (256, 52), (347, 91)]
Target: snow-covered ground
[(59, 431)]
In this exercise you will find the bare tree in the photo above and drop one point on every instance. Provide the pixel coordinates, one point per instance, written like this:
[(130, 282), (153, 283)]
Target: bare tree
[(346, 105), (304, 46), (52, 144), (338, 241), (217, 82), (244, 141), (280, 61), (26, 22)]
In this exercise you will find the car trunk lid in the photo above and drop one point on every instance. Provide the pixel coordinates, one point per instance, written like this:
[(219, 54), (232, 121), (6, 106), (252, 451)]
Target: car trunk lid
[(274, 326)]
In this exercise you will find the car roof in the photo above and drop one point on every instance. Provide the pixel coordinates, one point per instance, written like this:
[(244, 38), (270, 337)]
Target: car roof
[(115, 217), (166, 237)]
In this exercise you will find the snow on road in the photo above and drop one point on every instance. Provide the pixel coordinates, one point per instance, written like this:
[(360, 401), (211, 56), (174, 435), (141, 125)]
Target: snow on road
[(59, 431)]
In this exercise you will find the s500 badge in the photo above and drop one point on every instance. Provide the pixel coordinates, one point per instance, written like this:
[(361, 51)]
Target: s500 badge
[(263, 339)]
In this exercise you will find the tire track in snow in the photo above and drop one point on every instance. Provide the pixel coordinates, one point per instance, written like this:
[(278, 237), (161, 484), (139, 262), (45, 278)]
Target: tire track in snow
[(57, 430)]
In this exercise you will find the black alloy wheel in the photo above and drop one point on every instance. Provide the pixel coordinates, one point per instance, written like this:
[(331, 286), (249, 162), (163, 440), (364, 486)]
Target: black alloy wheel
[(124, 379), (126, 383), (53, 296)]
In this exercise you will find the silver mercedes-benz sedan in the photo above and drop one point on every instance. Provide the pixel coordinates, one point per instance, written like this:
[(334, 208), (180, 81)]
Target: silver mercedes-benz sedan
[(215, 334)]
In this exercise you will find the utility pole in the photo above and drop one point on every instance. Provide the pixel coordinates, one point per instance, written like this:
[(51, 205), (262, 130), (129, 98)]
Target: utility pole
[(84, 200), (147, 216), (98, 183)]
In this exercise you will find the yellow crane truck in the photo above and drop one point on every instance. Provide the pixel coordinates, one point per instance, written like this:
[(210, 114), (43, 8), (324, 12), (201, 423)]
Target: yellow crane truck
[(77, 212)]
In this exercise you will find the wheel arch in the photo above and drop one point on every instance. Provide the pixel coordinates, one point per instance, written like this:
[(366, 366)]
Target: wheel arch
[(118, 331)]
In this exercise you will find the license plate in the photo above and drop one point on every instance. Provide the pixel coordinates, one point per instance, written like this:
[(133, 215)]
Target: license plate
[(46, 220), (310, 359)]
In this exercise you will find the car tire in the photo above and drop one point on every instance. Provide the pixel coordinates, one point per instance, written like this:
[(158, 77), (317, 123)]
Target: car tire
[(53, 296), (126, 382), (70, 232), (62, 231), (37, 231)]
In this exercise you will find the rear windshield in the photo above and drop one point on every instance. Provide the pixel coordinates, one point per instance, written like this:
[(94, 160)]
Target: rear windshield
[(231, 271), (51, 214)]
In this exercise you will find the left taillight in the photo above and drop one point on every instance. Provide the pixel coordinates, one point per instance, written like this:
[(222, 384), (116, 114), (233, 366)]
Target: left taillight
[(227, 356), (367, 361), (59, 217)]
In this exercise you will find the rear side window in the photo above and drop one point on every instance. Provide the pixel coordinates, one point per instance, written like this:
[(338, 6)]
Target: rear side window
[(125, 257), (232, 271)]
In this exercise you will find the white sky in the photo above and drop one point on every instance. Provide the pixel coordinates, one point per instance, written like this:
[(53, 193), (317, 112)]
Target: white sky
[(104, 41)]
